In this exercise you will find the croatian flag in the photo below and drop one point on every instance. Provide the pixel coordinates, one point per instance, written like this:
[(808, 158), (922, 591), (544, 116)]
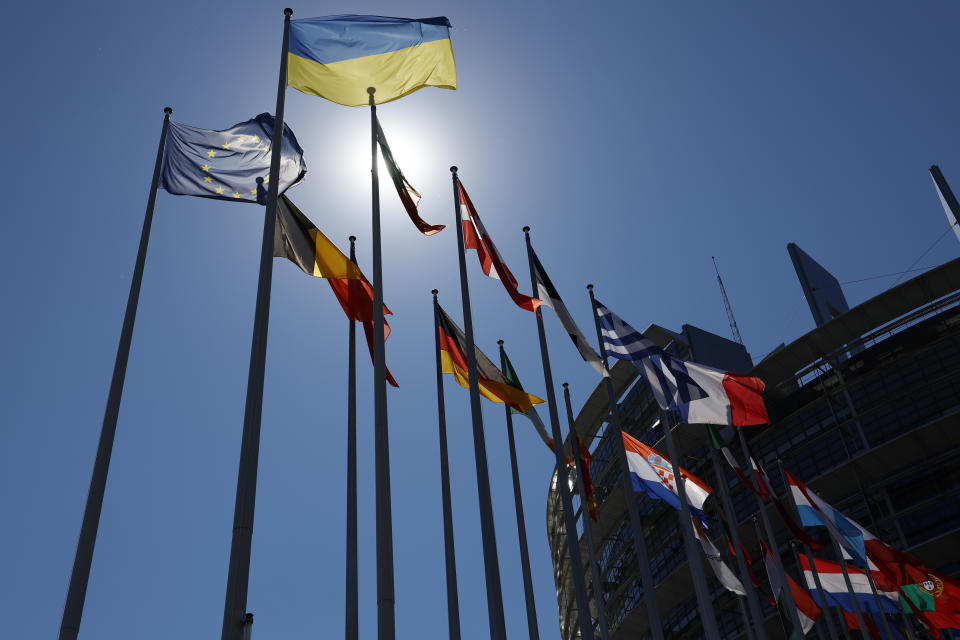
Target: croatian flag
[(835, 587), (653, 475), (701, 394)]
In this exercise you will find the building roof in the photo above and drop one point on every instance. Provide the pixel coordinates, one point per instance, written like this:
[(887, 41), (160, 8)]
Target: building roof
[(831, 338)]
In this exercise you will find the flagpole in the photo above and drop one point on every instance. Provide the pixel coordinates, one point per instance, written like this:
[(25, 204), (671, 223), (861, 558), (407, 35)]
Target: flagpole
[(450, 556), (770, 543), (521, 521), (727, 505), (704, 602), (386, 624), (816, 579), (846, 579), (585, 519), (238, 575), (770, 537), (566, 504), (809, 553), (488, 534), (352, 613), (646, 577), (803, 583), (83, 557), (876, 599)]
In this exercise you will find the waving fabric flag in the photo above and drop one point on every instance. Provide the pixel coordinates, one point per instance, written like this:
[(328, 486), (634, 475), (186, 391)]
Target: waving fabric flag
[(724, 575), (814, 511), (701, 394), (338, 57), (475, 236), (226, 164), (835, 587), (493, 385), (653, 475), (409, 196), (548, 294), (807, 609), (302, 243), (511, 376), (583, 466)]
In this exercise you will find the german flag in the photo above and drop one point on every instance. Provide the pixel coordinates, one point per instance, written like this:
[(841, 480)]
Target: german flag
[(300, 241), (493, 385)]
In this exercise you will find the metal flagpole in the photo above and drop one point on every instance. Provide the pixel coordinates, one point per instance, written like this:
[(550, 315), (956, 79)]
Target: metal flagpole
[(772, 544), (846, 580), (803, 583), (809, 553), (498, 630), (587, 531), (566, 504), (704, 602), (386, 624), (636, 525), (82, 560), (238, 575), (450, 556), (352, 613), (521, 522), (753, 603), (816, 579)]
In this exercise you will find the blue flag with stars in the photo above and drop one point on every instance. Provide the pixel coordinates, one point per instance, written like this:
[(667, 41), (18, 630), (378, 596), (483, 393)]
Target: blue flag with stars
[(227, 164)]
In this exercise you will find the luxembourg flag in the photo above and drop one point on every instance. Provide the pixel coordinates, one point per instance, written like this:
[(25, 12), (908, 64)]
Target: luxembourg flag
[(653, 475), (815, 512), (835, 587)]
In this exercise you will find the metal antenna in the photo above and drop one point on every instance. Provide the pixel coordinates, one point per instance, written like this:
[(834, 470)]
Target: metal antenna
[(734, 329)]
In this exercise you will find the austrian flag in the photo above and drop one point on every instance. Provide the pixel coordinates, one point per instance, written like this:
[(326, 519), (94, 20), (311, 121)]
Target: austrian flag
[(475, 236)]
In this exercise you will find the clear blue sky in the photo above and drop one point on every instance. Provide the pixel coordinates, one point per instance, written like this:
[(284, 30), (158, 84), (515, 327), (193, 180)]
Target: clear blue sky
[(637, 142)]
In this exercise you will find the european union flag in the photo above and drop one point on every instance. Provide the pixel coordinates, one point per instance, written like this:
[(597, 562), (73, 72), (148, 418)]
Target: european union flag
[(226, 164)]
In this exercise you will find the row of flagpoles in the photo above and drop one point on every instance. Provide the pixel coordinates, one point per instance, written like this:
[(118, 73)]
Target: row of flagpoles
[(685, 391)]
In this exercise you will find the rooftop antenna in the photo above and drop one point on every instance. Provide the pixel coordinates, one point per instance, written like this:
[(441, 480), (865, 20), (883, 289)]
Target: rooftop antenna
[(734, 329)]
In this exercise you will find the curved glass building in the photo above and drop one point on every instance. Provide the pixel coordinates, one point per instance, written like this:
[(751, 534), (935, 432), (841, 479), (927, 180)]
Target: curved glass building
[(865, 409)]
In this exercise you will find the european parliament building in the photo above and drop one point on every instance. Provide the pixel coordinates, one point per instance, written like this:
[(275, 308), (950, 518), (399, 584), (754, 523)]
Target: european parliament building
[(865, 409)]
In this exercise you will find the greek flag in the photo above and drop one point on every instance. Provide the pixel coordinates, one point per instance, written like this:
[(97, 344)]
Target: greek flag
[(667, 376)]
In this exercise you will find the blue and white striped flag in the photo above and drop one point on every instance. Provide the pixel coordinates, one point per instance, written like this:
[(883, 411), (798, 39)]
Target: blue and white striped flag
[(667, 376)]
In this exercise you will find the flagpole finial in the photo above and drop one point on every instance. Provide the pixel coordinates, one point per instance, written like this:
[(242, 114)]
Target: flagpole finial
[(288, 12), (435, 291), (565, 385), (526, 229), (168, 110), (500, 342), (589, 287), (453, 169), (371, 90), (352, 238)]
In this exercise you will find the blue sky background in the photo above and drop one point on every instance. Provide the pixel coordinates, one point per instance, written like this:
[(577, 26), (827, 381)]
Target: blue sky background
[(637, 140)]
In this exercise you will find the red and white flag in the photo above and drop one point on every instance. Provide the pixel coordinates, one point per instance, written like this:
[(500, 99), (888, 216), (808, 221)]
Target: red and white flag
[(475, 236)]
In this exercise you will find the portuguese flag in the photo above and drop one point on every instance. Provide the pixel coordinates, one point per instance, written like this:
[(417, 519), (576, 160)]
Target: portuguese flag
[(493, 384)]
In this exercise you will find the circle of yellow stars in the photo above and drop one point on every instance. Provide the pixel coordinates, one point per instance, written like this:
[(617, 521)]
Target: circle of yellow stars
[(237, 140)]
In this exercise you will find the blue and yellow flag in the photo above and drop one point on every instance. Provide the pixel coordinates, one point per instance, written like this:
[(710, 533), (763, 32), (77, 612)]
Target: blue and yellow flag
[(338, 57), (226, 164)]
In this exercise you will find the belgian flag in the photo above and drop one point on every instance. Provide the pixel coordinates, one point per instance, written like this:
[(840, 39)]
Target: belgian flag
[(300, 241), (493, 385)]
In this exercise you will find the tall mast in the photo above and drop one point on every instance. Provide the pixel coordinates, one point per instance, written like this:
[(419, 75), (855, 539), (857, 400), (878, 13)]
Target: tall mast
[(734, 329)]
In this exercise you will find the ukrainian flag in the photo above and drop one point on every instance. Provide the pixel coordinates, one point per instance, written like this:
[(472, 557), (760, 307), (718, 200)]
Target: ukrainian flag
[(338, 57)]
